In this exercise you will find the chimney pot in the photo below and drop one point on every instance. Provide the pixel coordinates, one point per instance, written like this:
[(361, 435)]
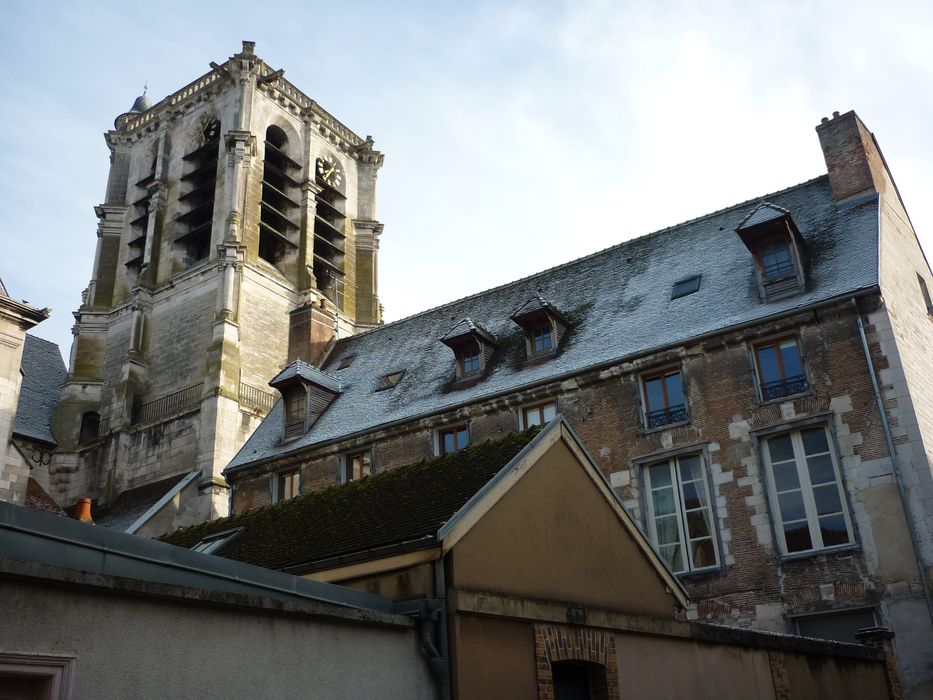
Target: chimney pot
[(824, 120), (83, 510), (835, 114)]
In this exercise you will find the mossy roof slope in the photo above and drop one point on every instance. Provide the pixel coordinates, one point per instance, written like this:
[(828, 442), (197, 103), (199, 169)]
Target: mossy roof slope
[(400, 506)]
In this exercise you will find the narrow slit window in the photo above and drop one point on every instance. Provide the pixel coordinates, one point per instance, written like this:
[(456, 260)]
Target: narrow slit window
[(926, 294)]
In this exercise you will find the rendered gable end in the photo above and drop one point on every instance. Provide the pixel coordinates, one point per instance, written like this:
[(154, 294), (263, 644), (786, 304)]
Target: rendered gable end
[(554, 535)]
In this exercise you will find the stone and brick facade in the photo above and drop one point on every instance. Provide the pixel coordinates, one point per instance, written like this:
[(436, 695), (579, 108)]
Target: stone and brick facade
[(853, 316)]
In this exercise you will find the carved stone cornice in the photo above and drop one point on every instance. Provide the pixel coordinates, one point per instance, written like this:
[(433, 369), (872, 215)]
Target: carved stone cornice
[(367, 233), (240, 145)]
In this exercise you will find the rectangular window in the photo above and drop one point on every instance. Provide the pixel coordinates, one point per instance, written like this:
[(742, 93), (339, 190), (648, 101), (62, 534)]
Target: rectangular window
[(680, 516), (839, 626), (296, 407), (540, 414), (805, 490), (664, 399), (780, 368), (357, 466), (284, 485), (453, 439), (541, 340), (470, 361), (775, 260)]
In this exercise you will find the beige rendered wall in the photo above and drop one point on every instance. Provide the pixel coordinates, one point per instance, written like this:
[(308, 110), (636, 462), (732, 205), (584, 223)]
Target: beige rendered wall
[(135, 647), (13, 471), (494, 659), (553, 536), (658, 667)]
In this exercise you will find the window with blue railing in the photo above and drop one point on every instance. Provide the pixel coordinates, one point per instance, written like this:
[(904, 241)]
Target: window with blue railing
[(780, 369), (664, 399)]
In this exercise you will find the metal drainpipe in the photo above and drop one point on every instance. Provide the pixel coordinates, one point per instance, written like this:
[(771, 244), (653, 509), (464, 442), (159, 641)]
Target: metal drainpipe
[(440, 593), (894, 465)]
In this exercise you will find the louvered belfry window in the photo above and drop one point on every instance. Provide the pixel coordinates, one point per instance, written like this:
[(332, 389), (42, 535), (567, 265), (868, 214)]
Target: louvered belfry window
[(199, 183), (279, 210)]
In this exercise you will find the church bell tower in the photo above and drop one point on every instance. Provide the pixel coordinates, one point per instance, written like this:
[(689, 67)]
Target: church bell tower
[(238, 233)]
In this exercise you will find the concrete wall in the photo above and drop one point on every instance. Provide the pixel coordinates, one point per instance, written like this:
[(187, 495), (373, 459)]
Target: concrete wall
[(131, 646)]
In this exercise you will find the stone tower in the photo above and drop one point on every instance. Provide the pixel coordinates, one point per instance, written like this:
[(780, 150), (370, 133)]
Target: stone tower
[(238, 233)]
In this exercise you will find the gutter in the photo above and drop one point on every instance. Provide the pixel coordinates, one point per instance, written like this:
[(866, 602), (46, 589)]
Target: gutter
[(554, 378), (902, 492)]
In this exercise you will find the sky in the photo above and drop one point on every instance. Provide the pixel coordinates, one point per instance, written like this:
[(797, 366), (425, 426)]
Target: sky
[(517, 135)]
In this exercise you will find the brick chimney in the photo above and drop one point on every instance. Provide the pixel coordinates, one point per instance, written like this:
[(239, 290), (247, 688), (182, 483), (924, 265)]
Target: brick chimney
[(310, 333), (853, 159)]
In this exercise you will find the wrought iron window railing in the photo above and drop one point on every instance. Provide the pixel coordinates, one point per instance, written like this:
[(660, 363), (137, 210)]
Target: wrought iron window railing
[(180, 401), (784, 387), (255, 398), (666, 416)]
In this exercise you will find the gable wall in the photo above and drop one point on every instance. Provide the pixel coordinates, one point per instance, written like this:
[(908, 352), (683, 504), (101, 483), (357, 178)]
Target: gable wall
[(553, 536)]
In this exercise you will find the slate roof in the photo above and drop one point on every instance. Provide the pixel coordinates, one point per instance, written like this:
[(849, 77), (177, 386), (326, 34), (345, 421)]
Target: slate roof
[(40, 391), (762, 213), (37, 498), (618, 305), (130, 505), (405, 506)]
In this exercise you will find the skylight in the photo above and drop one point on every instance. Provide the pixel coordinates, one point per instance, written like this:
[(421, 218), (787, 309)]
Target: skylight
[(389, 381), (212, 543), (685, 287)]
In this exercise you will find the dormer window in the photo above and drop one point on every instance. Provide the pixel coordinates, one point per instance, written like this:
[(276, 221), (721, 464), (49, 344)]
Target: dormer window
[(473, 347), (296, 411), (306, 393), (541, 340), (775, 260), (773, 239), (543, 326)]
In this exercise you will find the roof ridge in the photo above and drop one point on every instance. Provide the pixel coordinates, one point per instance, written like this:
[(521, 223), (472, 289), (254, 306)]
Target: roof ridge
[(760, 199)]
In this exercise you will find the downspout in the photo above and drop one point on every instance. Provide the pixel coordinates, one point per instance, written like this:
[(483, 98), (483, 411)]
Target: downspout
[(440, 594), (894, 464)]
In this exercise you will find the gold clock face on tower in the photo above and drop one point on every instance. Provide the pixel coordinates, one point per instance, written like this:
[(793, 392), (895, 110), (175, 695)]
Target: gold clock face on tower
[(206, 131), (329, 171)]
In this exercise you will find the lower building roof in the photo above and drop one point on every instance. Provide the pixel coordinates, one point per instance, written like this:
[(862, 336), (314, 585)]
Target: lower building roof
[(40, 391)]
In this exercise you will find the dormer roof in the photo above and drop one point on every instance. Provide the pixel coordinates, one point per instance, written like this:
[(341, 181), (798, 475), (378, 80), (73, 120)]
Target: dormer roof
[(535, 307), (765, 220), (308, 373), (467, 328)]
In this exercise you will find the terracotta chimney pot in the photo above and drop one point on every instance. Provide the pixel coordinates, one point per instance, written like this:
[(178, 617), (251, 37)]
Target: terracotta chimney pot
[(83, 510)]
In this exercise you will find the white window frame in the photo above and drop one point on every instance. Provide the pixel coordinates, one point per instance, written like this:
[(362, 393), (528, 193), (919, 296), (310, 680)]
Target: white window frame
[(677, 482), (540, 405), (806, 490), (345, 464), (276, 480)]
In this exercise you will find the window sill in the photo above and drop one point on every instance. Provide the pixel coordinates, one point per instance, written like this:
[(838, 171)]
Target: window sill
[(852, 548), (701, 575), (666, 426), (782, 399)]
